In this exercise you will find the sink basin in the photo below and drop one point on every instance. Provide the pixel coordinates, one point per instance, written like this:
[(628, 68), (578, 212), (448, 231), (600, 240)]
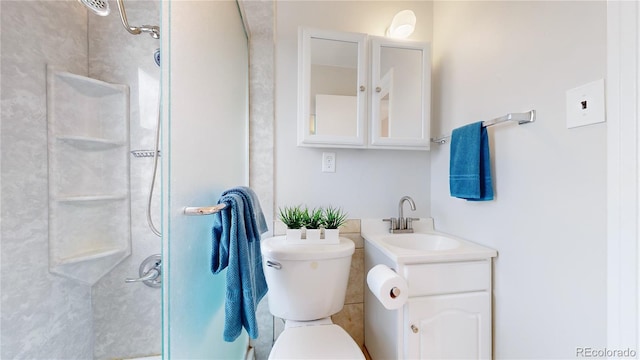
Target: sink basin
[(424, 245), (421, 242)]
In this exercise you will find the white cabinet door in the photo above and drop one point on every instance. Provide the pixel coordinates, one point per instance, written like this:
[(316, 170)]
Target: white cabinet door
[(456, 326), (332, 86), (400, 94)]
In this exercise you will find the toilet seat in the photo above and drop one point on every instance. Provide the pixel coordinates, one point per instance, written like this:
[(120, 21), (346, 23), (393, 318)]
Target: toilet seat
[(315, 342)]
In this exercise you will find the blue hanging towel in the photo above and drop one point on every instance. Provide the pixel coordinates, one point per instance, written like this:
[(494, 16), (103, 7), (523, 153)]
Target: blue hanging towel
[(236, 246), (470, 163)]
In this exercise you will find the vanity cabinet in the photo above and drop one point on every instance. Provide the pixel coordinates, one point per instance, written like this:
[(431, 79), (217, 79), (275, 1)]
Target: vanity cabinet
[(448, 315), (360, 91), (448, 312)]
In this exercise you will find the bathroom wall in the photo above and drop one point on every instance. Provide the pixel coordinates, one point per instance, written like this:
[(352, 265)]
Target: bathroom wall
[(46, 316), (548, 219), (367, 183), (127, 317), (43, 316)]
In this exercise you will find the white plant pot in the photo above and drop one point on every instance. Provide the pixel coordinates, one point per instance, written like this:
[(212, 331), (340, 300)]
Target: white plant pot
[(332, 236), (294, 235), (313, 234)]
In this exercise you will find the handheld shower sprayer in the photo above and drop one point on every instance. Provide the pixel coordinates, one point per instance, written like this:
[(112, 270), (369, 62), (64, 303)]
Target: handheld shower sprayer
[(154, 31)]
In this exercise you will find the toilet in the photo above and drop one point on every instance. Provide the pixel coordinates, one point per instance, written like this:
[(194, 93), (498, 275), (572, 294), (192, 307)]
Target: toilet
[(308, 284)]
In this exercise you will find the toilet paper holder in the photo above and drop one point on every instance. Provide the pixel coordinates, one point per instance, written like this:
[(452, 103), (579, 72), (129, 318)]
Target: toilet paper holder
[(394, 293)]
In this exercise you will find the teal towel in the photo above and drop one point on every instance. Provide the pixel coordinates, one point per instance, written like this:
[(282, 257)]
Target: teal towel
[(470, 163), (236, 246)]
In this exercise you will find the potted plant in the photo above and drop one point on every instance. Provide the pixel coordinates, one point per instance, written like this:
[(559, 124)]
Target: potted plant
[(333, 218), (312, 220), (292, 217)]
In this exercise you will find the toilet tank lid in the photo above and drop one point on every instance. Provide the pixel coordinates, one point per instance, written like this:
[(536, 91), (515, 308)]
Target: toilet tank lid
[(277, 248)]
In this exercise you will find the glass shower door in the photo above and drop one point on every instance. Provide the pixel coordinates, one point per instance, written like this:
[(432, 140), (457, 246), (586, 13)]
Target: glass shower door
[(205, 84)]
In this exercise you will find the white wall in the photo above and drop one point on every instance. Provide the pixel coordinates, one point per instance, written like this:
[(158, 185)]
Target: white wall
[(623, 78), (367, 183), (548, 221)]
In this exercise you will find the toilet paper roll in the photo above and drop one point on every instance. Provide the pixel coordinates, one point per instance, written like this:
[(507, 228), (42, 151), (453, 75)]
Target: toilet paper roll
[(390, 288)]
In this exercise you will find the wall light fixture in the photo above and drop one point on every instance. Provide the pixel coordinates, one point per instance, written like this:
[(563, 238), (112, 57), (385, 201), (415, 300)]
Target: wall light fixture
[(402, 25)]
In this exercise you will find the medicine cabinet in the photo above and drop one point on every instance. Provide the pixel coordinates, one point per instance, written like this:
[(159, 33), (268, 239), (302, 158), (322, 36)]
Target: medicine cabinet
[(343, 104)]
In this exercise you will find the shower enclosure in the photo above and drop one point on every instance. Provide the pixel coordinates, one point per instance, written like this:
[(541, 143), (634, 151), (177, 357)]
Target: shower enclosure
[(206, 145), (45, 315)]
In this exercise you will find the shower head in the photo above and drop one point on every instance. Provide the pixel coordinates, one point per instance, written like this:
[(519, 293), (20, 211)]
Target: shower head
[(99, 7)]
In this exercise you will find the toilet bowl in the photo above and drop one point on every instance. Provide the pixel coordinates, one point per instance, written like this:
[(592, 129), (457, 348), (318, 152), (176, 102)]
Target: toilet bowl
[(308, 284), (321, 340)]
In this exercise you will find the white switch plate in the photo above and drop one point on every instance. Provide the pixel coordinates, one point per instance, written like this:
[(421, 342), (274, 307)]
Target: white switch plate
[(585, 104), (328, 162)]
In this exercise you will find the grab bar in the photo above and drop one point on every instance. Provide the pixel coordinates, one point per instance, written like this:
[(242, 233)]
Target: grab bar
[(206, 210), (521, 118)]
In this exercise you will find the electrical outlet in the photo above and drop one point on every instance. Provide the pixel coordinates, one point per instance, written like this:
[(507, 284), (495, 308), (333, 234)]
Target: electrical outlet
[(585, 104), (328, 162)]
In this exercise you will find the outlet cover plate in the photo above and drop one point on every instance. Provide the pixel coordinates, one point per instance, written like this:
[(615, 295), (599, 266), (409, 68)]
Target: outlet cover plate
[(328, 162), (585, 104)]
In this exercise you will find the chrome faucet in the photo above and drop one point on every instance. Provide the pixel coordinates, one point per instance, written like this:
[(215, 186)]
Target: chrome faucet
[(402, 224)]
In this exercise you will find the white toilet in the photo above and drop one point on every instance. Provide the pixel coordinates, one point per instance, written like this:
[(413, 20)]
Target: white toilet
[(308, 284)]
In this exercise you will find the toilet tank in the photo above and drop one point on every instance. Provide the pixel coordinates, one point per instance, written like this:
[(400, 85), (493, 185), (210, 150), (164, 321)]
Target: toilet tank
[(306, 282)]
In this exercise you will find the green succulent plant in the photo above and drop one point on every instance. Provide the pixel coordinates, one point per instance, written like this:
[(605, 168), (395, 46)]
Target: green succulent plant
[(334, 218), (312, 219), (292, 216)]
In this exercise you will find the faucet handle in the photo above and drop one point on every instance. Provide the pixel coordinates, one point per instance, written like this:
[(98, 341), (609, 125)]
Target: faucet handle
[(410, 222), (393, 223)]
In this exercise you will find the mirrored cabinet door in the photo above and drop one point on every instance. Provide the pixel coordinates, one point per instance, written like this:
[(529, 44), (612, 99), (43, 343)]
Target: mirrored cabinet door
[(332, 88), (400, 94)]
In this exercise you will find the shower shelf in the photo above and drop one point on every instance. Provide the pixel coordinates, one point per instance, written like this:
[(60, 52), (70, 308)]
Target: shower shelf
[(91, 255), (88, 86), (89, 196), (90, 143)]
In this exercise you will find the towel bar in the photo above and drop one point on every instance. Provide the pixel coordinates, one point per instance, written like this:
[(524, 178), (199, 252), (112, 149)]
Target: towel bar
[(521, 118), (207, 210)]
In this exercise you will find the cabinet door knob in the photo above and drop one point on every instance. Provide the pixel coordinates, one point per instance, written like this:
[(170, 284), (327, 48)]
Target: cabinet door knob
[(378, 89), (362, 88), (414, 329)]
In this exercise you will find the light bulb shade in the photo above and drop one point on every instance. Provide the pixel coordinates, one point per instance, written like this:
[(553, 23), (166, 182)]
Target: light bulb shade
[(402, 25)]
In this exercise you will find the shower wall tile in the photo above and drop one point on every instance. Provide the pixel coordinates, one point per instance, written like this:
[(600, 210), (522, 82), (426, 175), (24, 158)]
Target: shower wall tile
[(43, 316), (127, 316)]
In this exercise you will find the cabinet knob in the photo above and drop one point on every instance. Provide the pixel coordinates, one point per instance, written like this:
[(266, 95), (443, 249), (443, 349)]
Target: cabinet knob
[(414, 329), (378, 89), (362, 88)]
